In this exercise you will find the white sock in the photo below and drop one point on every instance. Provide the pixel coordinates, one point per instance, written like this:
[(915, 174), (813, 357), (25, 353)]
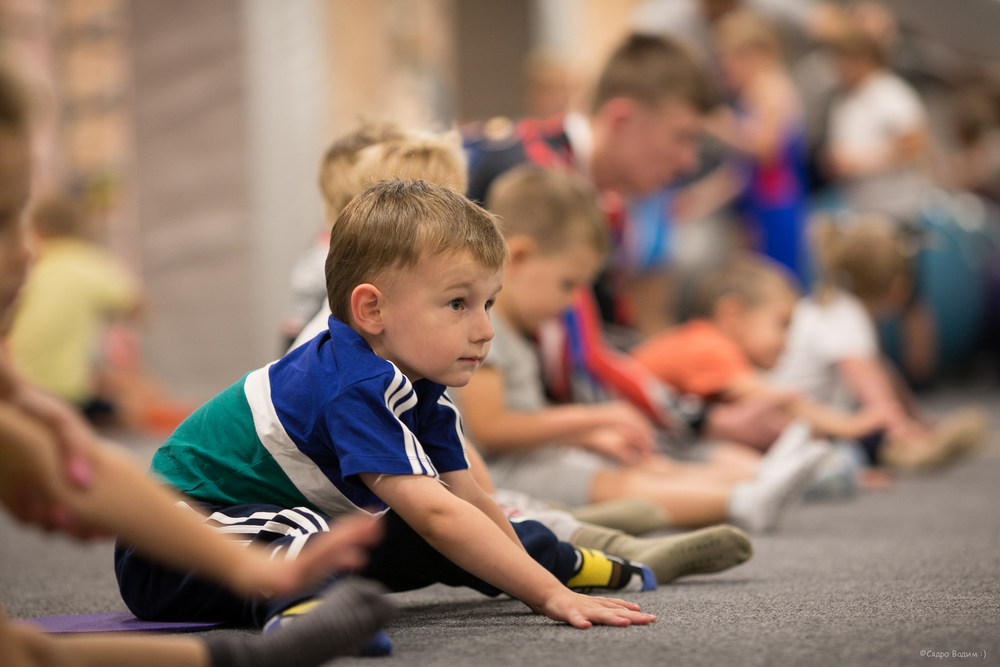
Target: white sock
[(791, 440), (757, 505)]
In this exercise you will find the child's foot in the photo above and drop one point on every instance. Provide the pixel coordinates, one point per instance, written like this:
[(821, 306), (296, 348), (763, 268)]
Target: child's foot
[(599, 570), (954, 436), (634, 516), (344, 621), (789, 443), (758, 505), (837, 477), (704, 551)]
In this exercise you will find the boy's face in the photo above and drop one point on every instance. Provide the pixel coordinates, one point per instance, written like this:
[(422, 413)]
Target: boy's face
[(764, 327), (14, 189), (540, 286), (436, 317), (651, 146)]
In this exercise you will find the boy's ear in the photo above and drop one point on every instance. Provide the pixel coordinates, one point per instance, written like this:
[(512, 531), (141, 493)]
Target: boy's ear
[(520, 248), (616, 112), (366, 308), (727, 308)]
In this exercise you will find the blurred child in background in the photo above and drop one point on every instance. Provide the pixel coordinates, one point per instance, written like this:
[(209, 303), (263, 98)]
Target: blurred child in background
[(833, 356), (74, 290), (575, 453), (337, 187), (745, 311), (767, 129)]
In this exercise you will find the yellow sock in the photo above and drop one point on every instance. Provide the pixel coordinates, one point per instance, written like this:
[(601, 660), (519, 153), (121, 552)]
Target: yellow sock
[(595, 570)]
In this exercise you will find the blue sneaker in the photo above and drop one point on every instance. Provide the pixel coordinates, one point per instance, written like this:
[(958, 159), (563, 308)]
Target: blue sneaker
[(378, 645)]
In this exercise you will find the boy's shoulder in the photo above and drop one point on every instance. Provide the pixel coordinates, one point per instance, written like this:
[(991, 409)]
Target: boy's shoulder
[(334, 361)]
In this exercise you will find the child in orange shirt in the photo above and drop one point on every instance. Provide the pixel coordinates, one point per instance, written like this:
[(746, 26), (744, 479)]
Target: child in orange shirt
[(746, 310)]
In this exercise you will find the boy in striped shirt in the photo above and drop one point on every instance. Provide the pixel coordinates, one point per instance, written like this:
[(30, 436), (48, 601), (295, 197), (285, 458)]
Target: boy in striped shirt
[(357, 418)]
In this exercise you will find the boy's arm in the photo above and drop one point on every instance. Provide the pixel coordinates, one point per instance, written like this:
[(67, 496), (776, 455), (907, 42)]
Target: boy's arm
[(869, 380), (123, 500), (73, 437), (825, 419), (464, 535), (497, 429), (463, 484), (836, 423)]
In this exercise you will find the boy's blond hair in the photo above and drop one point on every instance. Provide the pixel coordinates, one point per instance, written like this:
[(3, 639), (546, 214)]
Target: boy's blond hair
[(337, 177), (651, 70), (436, 158), (855, 43), (744, 30), (752, 279), (865, 256), (553, 208), (392, 224)]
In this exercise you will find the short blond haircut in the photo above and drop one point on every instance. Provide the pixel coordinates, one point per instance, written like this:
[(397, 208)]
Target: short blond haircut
[(393, 224), (864, 255), (743, 30), (337, 178), (435, 158), (554, 208), (751, 278)]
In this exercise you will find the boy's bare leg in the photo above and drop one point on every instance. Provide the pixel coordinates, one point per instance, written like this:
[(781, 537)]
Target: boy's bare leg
[(634, 516), (101, 650), (688, 503)]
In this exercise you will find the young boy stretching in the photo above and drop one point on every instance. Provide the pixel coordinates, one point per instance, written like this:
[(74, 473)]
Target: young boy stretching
[(357, 418)]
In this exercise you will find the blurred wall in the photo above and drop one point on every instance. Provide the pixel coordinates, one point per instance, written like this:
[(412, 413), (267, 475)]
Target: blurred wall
[(227, 119)]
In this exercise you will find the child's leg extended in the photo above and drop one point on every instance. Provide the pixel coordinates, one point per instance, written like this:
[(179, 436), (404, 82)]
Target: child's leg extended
[(405, 561), (158, 592), (344, 620)]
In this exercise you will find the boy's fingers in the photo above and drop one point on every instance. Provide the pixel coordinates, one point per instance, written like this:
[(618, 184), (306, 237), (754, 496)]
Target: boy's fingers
[(615, 602)]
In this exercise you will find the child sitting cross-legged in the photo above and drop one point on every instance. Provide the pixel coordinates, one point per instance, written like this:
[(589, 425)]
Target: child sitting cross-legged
[(589, 453), (357, 418)]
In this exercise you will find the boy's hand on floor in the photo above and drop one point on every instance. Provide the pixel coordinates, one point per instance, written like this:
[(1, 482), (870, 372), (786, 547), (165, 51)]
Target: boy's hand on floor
[(343, 549), (584, 611)]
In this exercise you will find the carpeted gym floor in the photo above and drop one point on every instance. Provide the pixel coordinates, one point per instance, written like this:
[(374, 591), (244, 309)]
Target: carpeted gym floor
[(908, 576)]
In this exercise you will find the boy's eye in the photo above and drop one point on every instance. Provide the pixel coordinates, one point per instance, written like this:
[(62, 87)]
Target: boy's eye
[(489, 305), (455, 304)]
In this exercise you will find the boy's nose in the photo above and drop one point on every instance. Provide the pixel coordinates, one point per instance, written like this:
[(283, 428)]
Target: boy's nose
[(482, 330)]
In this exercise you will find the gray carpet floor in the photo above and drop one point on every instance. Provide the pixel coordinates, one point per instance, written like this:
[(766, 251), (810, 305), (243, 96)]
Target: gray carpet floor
[(885, 578)]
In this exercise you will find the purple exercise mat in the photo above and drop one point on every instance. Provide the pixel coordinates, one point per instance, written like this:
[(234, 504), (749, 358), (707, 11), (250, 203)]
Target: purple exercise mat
[(111, 622)]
